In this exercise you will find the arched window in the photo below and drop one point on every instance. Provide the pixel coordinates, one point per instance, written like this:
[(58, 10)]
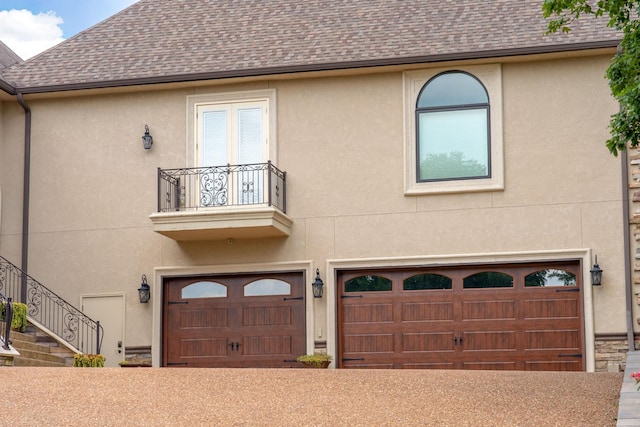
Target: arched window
[(453, 129), (487, 279), (423, 282), (550, 277), (368, 284), (204, 290), (264, 287)]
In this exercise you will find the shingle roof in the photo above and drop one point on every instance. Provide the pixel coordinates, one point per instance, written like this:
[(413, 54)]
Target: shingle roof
[(7, 56), (180, 40)]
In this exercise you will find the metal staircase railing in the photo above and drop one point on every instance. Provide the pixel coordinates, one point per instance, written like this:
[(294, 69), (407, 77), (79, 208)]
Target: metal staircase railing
[(49, 311), (5, 323)]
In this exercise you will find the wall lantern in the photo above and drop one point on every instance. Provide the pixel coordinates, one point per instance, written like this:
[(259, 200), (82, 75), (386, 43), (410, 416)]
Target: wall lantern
[(596, 274), (144, 291), (317, 285), (147, 140)]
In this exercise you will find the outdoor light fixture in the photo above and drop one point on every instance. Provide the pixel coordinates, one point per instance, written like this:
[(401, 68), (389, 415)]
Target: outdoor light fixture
[(596, 274), (144, 291), (147, 140), (317, 285)]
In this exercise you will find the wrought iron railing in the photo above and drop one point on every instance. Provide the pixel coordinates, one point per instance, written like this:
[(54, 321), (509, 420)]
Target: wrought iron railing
[(5, 321), (189, 189), (48, 310)]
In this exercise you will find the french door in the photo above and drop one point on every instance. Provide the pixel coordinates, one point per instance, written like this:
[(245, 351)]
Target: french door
[(230, 138)]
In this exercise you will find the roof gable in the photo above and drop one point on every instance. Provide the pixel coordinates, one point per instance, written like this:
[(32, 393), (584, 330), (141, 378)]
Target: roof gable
[(181, 40), (7, 56)]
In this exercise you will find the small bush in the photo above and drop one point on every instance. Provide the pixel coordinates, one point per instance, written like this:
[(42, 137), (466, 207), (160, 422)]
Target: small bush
[(88, 361), (19, 319)]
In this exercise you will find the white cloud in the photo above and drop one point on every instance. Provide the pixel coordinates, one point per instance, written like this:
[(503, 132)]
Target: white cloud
[(28, 34)]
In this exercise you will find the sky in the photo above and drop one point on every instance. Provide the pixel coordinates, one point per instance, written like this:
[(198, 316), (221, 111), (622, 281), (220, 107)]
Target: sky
[(29, 27)]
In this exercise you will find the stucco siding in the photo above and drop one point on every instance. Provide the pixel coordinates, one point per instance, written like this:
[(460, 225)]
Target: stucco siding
[(342, 141)]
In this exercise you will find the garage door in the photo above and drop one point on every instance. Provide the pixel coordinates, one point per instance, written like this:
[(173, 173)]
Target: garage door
[(234, 321), (513, 317)]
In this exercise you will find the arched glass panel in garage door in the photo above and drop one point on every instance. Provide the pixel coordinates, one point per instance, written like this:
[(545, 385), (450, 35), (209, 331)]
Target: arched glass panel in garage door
[(423, 282), (264, 287), (488, 279), (368, 284), (550, 277), (204, 290)]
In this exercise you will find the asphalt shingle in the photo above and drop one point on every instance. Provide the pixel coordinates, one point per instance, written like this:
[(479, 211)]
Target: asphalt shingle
[(178, 40)]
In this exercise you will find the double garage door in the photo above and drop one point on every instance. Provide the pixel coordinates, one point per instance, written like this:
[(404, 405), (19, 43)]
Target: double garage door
[(507, 317)]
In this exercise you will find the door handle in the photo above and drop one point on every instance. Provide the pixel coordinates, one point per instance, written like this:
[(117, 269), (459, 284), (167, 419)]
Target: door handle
[(119, 347), (235, 346)]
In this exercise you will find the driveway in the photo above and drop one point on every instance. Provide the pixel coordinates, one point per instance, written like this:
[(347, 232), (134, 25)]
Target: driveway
[(305, 397)]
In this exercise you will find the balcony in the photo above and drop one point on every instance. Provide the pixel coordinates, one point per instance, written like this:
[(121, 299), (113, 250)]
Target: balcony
[(222, 202)]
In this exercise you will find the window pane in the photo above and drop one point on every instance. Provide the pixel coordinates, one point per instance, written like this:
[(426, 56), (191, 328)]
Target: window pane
[(426, 282), (204, 290), (250, 135), (453, 144), (367, 284), (264, 287), (488, 279), (550, 277), (214, 138), (451, 89)]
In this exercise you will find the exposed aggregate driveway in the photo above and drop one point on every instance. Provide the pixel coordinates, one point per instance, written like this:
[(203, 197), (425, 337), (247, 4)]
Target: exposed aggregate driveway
[(305, 397)]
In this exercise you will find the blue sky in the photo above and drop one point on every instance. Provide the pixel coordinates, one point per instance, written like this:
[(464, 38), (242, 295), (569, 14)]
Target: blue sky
[(31, 26)]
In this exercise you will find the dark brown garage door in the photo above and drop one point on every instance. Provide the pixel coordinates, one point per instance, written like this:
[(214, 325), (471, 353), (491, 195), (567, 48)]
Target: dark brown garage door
[(234, 321), (514, 317)]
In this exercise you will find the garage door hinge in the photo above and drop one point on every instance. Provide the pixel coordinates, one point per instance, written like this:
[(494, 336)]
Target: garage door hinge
[(344, 359), (287, 299), (178, 302), (350, 296), (570, 355), (568, 290), (177, 363)]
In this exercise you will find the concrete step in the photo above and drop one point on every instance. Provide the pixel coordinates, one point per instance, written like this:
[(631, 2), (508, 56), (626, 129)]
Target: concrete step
[(39, 355), (36, 348), (24, 361)]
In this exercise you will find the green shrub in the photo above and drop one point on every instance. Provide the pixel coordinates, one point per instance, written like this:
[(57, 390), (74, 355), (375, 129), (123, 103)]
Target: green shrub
[(315, 359), (88, 360), (19, 319)]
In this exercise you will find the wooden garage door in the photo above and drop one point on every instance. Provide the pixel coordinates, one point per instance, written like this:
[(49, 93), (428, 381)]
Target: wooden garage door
[(513, 317), (234, 321)]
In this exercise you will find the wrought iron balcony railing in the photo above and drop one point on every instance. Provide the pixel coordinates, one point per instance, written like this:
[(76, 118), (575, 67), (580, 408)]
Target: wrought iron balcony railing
[(5, 321), (189, 189), (49, 311)]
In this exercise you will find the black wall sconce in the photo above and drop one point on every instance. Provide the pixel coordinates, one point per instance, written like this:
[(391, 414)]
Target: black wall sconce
[(144, 291), (147, 139), (317, 285), (596, 274)]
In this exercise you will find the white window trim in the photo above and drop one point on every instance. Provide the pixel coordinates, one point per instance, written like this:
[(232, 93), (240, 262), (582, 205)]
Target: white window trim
[(194, 101), (491, 77)]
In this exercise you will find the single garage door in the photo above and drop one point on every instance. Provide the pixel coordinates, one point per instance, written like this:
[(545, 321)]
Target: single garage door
[(234, 320), (512, 317)]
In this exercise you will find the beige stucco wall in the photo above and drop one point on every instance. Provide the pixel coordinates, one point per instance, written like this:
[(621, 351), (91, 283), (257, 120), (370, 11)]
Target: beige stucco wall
[(341, 141), (11, 179)]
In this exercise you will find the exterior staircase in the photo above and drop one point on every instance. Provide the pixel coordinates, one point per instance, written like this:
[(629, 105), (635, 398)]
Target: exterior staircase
[(37, 348)]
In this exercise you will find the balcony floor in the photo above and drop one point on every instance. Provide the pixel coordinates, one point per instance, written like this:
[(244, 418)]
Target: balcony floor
[(219, 223)]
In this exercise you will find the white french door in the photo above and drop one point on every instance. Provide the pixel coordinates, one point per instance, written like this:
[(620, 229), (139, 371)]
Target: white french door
[(232, 134)]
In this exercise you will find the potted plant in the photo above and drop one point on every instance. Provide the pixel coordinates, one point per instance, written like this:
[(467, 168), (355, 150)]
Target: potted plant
[(19, 318), (316, 360), (134, 363), (88, 361)]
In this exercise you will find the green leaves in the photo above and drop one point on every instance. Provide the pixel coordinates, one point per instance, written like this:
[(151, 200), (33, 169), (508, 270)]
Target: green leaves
[(624, 71)]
